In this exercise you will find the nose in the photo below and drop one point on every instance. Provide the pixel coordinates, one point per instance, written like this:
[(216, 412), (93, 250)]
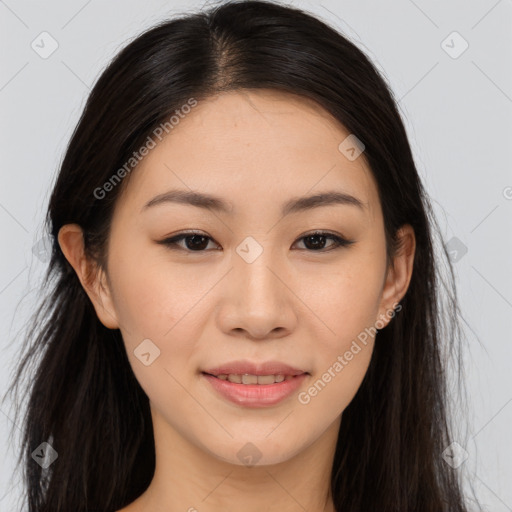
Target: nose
[(257, 302)]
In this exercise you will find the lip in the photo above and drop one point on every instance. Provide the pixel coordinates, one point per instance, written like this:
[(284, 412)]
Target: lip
[(251, 368), (255, 395)]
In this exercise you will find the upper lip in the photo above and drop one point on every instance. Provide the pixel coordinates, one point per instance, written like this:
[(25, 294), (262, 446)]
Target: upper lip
[(252, 368)]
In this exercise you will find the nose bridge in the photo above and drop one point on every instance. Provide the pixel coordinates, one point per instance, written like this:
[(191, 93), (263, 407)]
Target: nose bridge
[(252, 263), (256, 301)]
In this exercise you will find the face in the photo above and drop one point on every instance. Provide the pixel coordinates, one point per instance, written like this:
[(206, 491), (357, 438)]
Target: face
[(260, 275)]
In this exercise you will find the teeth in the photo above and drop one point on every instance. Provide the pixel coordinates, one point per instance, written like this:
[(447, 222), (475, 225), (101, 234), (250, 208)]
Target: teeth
[(250, 379), (254, 379), (261, 379)]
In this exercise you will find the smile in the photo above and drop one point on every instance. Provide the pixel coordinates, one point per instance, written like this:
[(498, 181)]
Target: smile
[(253, 379), (248, 391)]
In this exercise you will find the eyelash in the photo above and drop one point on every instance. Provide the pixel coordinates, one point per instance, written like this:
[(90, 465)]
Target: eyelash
[(339, 242)]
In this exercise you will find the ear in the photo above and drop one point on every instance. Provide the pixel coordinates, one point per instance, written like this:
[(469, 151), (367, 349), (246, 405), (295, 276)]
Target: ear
[(92, 278), (398, 275)]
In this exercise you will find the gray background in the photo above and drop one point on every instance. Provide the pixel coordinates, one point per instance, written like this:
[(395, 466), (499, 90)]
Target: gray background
[(457, 109)]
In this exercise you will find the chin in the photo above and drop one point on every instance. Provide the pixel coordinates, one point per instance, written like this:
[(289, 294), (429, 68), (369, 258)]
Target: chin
[(256, 451)]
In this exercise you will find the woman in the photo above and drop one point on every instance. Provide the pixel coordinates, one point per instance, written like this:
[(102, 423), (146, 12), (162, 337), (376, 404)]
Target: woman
[(244, 308)]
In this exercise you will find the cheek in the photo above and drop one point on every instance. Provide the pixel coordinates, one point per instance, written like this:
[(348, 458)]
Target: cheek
[(345, 298), (341, 357), (331, 390), (156, 312), (153, 298), (347, 303)]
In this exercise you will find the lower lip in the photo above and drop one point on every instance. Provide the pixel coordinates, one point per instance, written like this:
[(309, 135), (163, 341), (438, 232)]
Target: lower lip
[(255, 395)]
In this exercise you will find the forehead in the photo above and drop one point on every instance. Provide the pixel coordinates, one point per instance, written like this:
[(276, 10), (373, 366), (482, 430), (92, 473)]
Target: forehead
[(252, 147)]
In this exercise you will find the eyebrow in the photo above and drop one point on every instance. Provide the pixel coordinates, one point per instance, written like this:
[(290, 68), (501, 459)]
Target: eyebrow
[(294, 205)]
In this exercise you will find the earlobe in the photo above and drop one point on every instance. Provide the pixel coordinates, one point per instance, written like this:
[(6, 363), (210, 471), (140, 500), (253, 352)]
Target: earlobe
[(399, 273), (92, 278)]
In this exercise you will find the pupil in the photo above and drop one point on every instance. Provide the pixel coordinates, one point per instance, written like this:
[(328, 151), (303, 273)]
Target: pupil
[(310, 238), (196, 246)]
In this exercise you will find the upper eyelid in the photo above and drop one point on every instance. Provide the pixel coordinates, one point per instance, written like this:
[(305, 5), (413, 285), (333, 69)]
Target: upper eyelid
[(199, 233), (178, 237)]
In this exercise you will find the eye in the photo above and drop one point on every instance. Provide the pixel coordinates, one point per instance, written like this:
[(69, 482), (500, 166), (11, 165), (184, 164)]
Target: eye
[(197, 242), (194, 241), (316, 241)]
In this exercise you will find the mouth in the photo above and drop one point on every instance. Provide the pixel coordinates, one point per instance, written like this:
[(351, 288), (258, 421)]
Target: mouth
[(247, 378), (266, 370), (252, 385)]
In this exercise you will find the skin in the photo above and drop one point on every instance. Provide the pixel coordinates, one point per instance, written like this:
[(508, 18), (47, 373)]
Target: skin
[(296, 304)]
